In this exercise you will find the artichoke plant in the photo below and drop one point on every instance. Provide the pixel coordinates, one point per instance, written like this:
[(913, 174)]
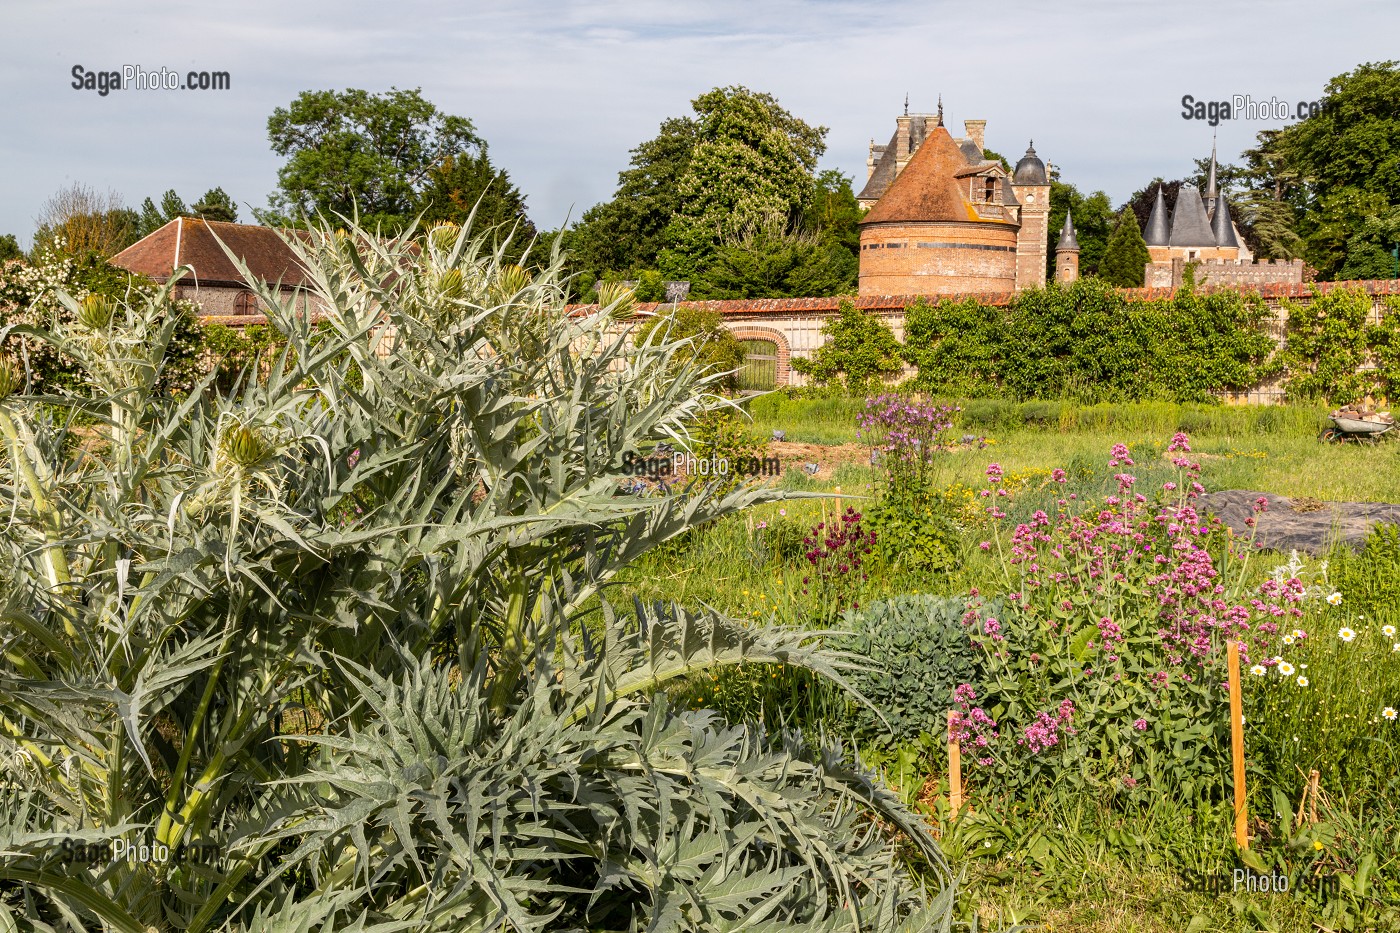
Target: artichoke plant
[(334, 650)]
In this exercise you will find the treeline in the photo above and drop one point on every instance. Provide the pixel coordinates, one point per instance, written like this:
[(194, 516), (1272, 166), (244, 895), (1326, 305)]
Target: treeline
[(1089, 343)]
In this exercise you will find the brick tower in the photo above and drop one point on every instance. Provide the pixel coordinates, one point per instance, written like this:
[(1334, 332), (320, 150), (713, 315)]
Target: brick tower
[(1032, 187), (1067, 253)]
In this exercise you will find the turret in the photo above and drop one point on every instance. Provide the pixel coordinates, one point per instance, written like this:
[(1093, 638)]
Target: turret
[(1067, 253)]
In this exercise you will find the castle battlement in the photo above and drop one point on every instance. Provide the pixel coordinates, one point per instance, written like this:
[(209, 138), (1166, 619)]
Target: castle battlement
[(1224, 272)]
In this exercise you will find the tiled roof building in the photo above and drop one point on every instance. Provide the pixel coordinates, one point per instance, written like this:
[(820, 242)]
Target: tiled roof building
[(944, 219)]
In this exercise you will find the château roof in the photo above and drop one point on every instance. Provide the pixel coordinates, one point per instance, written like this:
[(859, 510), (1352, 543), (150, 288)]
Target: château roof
[(190, 241), (1222, 226), (883, 176), (1157, 233), (1068, 241), (927, 190), (1190, 226), (1030, 170)]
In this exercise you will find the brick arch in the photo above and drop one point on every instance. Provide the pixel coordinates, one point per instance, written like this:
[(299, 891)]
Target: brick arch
[(776, 337)]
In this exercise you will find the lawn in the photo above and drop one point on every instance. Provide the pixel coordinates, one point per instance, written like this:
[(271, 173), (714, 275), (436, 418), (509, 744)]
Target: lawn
[(1087, 858)]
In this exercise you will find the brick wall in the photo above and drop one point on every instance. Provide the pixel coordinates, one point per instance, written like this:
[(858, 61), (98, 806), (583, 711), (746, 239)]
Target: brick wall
[(1225, 272)]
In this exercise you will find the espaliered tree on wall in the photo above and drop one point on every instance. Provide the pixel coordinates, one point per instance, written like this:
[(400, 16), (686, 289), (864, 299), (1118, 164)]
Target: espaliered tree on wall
[(1088, 341)]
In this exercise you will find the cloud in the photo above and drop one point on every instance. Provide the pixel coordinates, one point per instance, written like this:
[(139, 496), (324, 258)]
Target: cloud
[(562, 90)]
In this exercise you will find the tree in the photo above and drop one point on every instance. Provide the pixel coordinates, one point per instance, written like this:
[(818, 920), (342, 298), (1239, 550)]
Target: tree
[(9, 248), (1125, 257), (860, 352), (835, 213), (767, 260), (342, 640), (1368, 251), (1346, 160), (752, 160), (465, 183), (214, 204), (627, 232), (1093, 222), (79, 219), (352, 152)]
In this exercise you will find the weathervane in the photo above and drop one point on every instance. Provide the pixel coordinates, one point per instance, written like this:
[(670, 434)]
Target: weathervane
[(906, 103)]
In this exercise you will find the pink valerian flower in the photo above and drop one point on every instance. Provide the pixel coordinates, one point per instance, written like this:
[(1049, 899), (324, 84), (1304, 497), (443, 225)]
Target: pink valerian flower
[(1261, 504), (1058, 475), (1180, 442), (1130, 782), (1120, 456), (994, 472), (1140, 724)]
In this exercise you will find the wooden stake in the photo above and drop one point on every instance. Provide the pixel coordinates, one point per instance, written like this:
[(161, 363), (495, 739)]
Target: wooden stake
[(839, 512), (955, 790), (1232, 662)]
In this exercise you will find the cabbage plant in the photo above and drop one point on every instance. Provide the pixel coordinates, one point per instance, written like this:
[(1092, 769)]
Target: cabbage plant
[(334, 650)]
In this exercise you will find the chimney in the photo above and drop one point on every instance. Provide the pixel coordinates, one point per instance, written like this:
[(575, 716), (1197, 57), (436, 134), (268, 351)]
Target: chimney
[(976, 131), (902, 147)]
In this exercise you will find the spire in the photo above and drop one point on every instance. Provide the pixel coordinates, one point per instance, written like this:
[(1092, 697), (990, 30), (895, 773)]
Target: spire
[(1068, 241), (1212, 190), (1222, 226), (1156, 233), (940, 109)]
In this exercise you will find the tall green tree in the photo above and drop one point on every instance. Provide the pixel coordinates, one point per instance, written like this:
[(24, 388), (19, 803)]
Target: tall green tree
[(771, 260), (214, 204), (1093, 222), (752, 160), (1346, 160), (464, 184), (1125, 257), (628, 232), (9, 248), (353, 151)]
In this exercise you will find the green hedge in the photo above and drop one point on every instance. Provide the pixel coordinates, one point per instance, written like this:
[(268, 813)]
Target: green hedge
[(1089, 343)]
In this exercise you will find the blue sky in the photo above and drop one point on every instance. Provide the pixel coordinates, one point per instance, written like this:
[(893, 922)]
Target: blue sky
[(562, 91)]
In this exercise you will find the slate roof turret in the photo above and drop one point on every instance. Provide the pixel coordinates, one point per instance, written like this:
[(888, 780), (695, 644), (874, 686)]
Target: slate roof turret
[(1190, 226), (1222, 226), (1157, 232), (1030, 170), (1068, 241)]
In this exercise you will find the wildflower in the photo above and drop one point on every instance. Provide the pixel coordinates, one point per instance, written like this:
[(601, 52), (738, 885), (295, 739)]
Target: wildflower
[(1257, 670), (1345, 634), (994, 472), (1317, 844), (1289, 639), (761, 525), (1302, 681), (1285, 668), (1140, 724), (1389, 713), (1388, 631), (782, 511), (1335, 599)]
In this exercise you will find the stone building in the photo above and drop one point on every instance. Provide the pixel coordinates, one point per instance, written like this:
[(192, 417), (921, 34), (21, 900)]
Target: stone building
[(1201, 232), (215, 283), (944, 219)]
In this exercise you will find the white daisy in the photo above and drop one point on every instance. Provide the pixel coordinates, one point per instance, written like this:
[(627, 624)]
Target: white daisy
[(1389, 713), (1388, 631), (1285, 668), (1257, 670), (1335, 599), (1302, 681), (1289, 639), (1345, 634)]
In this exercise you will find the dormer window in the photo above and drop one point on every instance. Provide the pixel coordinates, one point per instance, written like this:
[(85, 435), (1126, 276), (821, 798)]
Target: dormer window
[(991, 189)]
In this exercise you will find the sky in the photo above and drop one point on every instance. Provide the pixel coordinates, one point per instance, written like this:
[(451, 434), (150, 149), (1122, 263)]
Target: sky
[(562, 91)]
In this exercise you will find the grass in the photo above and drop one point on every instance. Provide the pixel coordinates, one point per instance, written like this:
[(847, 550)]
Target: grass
[(1080, 864)]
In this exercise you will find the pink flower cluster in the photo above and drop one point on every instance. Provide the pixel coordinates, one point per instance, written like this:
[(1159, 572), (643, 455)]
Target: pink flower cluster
[(970, 726), (1045, 731)]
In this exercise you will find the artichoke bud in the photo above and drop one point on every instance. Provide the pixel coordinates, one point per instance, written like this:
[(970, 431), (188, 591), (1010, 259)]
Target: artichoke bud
[(622, 299), (450, 284), (245, 447), (10, 377), (444, 235), (512, 280), (95, 312)]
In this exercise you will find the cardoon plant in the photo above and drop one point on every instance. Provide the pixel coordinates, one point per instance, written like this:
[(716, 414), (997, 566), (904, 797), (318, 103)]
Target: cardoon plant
[(332, 650)]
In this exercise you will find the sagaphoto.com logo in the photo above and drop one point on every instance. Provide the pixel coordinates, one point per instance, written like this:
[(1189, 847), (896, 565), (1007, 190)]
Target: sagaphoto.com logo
[(134, 77)]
